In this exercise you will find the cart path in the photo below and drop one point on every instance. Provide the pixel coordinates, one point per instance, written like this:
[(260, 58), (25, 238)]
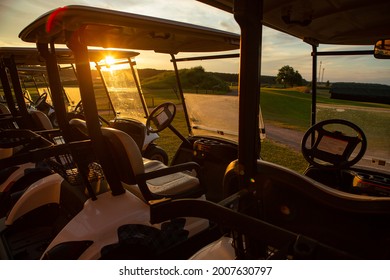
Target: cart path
[(290, 137)]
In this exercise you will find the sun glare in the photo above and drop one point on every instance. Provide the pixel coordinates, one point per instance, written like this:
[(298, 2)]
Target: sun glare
[(109, 60)]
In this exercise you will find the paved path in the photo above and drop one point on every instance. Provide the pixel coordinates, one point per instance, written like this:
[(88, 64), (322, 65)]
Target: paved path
[(289, 137)]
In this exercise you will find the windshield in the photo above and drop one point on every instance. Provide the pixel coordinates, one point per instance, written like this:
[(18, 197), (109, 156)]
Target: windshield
[(125, 99), (35, 83), (215, 115)]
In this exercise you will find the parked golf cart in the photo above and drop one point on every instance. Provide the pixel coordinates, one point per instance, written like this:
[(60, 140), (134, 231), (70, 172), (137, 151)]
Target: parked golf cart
[(112, 224), (25, 128), (42, 103), (25, 109), (16, 137), (340, 201)]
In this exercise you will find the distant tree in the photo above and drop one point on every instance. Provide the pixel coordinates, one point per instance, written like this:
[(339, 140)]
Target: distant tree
[(287, 76)]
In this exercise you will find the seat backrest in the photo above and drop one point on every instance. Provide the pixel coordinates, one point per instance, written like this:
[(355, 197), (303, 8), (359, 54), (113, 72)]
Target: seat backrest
[(4, 109), (128, 157), (41, 120), (134, 128), (79, 129)]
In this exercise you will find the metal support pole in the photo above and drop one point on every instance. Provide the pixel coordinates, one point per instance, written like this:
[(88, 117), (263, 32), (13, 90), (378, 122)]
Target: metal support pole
[(7, 91), (248, 15), (181, 93), (91, 113), (314, 86), (56, 88), (26, 118), (138, 85)]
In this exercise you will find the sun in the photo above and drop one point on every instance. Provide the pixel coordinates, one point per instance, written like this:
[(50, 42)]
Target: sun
[(109, 60)]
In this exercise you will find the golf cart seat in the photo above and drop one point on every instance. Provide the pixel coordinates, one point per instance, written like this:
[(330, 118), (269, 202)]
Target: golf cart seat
[(41, 120), (4, 109), (150, 179), (145, 178), (135, 128)]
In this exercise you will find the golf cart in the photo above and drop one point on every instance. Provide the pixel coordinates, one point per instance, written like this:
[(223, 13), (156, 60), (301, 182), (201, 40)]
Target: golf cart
[(114, 223), (25, 128), (121, 100), (17, 175), (341, 200)]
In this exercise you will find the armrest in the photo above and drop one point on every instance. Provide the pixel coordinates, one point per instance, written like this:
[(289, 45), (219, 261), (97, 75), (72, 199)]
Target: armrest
[(149, 196), (39, 154), (169, 170)]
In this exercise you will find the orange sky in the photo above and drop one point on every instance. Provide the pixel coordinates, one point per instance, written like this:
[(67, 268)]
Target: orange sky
[(278, 49)]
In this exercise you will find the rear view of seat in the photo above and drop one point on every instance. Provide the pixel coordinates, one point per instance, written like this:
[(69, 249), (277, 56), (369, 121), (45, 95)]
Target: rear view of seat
[(41, 120), (4, 109), (147, 179), (150, 179)]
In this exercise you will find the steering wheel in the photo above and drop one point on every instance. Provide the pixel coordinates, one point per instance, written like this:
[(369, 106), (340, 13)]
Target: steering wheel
[(79, 107), (161, 117), (333, 148), (42, 98)]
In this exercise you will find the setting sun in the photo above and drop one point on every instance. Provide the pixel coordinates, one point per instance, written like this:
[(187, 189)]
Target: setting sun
[(109, 60)]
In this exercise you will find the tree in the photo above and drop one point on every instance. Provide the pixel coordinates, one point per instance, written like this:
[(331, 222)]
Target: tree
[(288, 76)]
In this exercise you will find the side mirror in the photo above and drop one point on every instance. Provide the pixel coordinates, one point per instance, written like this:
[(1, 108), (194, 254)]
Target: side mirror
[(382, 49)]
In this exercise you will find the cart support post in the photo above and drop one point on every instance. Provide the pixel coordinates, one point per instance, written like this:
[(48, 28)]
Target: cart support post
[(248, 15)]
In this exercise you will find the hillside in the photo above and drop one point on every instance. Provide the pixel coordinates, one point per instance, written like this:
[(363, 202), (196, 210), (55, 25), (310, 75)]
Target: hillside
[(194, 78)]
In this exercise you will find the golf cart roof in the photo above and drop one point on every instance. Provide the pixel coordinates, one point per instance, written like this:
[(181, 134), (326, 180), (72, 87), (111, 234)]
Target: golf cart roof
[(31, 56), (346, 22), (107, 28)]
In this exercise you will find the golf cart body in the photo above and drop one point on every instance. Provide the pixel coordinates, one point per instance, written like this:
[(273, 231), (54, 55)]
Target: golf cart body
[(27, 69), (113, 223), (314, 206), (17, 127)]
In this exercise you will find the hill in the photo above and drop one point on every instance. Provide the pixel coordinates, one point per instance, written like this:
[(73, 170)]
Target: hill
[(194, 78)]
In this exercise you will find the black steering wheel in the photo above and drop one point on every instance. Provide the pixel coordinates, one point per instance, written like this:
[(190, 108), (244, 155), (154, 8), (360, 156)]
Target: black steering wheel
[(332, 148), (161, 117), (79, 108), (78, 112), (42, 98)]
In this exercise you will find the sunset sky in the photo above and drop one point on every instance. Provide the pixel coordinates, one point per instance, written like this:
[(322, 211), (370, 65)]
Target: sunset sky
[(278, 49)]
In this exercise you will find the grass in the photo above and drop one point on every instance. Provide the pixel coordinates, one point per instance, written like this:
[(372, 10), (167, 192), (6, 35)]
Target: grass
[(286, 108), (283, 155), (291, 108)]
